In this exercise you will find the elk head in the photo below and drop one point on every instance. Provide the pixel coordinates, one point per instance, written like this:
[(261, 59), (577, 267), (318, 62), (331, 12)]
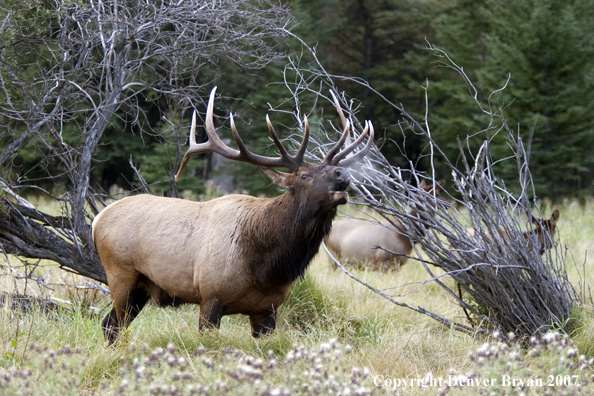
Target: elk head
[(325, 182), (543, 231)]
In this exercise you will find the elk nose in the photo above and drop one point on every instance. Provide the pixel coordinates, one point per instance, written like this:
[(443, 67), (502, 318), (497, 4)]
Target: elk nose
[(342, 179), (342, 174)]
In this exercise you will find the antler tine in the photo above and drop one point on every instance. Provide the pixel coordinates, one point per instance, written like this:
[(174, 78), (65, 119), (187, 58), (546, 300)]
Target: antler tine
[(338, 108), (214, 143), (182, 166), (340, 159), (275, 139), (303, 147), (328, 158)]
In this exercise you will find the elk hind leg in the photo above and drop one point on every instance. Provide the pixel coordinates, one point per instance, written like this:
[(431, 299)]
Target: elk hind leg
[(127, 304), (111, 329), (263, 323)]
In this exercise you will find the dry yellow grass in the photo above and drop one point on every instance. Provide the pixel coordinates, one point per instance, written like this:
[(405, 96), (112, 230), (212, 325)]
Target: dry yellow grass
[(391, 341)]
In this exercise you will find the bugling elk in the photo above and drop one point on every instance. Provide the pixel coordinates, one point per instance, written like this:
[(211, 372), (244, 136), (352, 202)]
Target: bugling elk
[(376, 245), (234, 254)]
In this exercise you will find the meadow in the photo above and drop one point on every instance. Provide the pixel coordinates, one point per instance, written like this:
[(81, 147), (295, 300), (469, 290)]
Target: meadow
[(334, 336)]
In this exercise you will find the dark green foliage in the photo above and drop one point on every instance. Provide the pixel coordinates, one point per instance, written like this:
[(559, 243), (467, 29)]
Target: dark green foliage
[(546, 48), (379, 42)]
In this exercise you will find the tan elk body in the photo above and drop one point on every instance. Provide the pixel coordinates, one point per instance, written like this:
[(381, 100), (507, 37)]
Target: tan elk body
[(357, 242), (234, 254), (375, 245)]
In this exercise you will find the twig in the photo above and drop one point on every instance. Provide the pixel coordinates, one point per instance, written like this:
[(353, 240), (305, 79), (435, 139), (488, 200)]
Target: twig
[(446, 322)]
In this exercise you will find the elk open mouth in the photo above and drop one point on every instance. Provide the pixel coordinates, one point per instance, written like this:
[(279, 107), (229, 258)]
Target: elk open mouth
[(338, 193)]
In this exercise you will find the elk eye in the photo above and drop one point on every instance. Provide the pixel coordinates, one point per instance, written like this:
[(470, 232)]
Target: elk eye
[(305, 176)]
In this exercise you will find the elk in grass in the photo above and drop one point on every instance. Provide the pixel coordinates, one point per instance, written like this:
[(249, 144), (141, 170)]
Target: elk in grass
[(542, 233), (378, 245), (236, 254)]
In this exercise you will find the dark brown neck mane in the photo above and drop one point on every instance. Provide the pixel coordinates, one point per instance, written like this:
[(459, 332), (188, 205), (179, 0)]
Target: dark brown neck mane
[(288, 234)]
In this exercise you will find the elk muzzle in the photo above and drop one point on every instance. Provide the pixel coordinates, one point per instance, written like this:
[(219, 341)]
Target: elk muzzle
[(341, 181)]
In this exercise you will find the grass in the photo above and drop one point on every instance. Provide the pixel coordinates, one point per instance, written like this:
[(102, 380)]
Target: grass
[(333, 337)]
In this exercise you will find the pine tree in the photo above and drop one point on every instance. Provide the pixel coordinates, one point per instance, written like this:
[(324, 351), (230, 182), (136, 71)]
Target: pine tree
[(547, 48)]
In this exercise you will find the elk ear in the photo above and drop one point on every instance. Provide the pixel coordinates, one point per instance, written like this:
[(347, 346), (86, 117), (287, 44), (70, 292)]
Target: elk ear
[(422, 184), (534, 220), (279, 178), (555, 215)]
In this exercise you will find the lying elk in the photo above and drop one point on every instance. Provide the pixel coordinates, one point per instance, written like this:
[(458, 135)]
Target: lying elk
[(378, 245), (542, 232), (234, 254)]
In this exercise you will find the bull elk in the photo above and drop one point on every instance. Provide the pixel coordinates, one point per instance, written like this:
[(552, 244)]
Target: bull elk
[(377, 245), (236, 254)]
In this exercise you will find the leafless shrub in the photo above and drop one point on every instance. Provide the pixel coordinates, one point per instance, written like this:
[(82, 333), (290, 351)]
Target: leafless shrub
[(501, 280), (484, 242)]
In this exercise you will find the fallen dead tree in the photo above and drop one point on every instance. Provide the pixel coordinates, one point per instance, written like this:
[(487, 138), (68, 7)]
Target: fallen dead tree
[(28, 232), (26, 303)]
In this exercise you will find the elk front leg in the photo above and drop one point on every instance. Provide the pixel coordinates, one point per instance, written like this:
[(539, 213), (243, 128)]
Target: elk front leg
[(211, 313), (263, 322)]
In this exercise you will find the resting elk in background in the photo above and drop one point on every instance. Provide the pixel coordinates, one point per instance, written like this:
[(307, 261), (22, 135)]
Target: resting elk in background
[(234, 254), (376, 245)]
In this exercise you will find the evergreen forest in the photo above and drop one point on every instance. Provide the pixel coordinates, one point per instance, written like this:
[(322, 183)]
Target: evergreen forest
[(531, 60)]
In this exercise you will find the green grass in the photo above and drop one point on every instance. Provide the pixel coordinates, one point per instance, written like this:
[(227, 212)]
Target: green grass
[(164, 353)]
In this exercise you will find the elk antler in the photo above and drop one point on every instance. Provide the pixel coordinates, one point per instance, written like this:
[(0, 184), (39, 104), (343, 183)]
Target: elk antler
[(216, 145), (338, 158)]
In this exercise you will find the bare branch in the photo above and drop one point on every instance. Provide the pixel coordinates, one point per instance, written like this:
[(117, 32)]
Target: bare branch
[(450, 324)]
